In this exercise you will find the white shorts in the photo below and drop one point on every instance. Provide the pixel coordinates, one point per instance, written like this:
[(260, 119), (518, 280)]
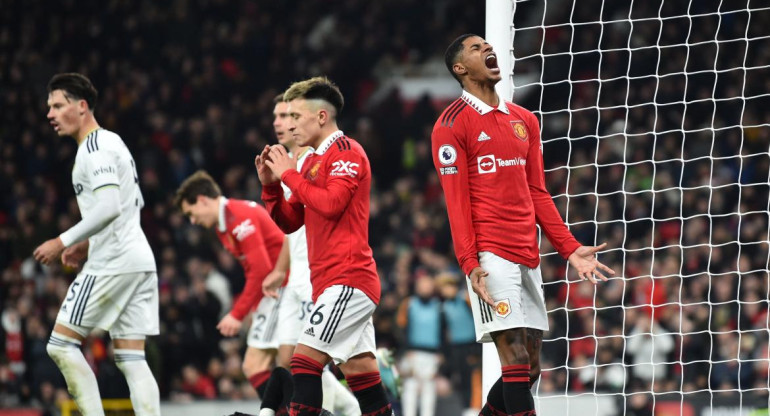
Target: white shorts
[(517, 292), (126, 305), (293, 312), (341, 324), (264, 322)]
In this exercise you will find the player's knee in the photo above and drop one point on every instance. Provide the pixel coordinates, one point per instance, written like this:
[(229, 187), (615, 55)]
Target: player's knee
[(60, 346)]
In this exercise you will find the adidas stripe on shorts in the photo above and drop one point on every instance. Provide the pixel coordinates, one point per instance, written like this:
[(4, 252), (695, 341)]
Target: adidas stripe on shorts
[(126, 305), (517, 292), (341, 324), (264, 323)]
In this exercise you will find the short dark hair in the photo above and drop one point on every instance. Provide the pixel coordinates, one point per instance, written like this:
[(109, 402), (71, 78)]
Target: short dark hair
[(453, 53), (199, 183), (278, 98), (75, 86), (318, 88)]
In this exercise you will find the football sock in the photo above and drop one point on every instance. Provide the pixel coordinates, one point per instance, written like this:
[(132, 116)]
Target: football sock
[(259, 382), (278, 391), (145, 396), (518, 398), (308, 393), (337, 397), (495, 405), (367, 387), (81, 381)]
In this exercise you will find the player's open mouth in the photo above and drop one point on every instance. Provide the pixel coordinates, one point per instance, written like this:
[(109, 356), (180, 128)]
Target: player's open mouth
[(55, 125), (491, 62)]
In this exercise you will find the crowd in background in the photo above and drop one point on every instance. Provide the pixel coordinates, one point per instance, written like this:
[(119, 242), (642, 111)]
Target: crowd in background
[(670, 169)]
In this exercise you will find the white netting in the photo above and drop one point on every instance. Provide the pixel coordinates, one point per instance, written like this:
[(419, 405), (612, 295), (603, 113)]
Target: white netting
[(656, 137)]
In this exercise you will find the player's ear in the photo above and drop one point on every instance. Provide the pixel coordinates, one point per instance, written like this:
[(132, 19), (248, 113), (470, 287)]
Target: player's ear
[(323, 116), (82, 107), (459, 68)]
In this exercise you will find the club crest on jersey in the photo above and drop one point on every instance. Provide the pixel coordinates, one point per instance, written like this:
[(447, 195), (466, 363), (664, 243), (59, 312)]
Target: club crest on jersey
[(487, 164), (244, 229), (519, 130), (344, 168), (503, 308), (313, 172), (447, 155)]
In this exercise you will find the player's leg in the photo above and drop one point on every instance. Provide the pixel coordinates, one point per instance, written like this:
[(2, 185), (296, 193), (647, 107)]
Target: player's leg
[(256, 367), (64, 349), (511, 347), (426, 373), (337, 397), (138, 320), (307, 365), (64, 345), (534, 345), (363, 376), (518, 305), (130, 359), (262, 344)]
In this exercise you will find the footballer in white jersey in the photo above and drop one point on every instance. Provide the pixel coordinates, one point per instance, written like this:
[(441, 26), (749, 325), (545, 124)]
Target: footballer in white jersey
[(117, 289)]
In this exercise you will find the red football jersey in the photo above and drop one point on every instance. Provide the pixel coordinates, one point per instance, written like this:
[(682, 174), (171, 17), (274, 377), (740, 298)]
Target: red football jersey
[(331, 197), (490, 164), (246, 231)]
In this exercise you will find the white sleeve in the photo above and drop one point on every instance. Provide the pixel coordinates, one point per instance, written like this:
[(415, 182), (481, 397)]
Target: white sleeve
[(106, 210), (102, 171)]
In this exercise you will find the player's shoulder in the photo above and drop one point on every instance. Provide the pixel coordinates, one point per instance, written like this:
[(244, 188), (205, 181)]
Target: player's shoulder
[(102, 139), (345, 145), (242, 205), (451, 114), (520, 112)]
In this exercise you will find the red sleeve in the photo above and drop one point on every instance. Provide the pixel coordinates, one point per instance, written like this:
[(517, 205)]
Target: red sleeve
[(289, 215), (546, 214), (451, 163), (256, 259), (342, 181)]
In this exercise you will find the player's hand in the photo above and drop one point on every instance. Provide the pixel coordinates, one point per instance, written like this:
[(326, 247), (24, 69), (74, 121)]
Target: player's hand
[(280, 161), (49, 251), (273, 282), (74, 255), (479, 285), (266, 176), (585, 262), (229, 326)]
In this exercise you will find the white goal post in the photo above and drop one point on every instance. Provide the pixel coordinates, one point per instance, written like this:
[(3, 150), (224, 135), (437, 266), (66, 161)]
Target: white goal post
[(655, 123)]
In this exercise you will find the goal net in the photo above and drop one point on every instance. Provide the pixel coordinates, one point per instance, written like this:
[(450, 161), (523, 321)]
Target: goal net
[(655, 138)]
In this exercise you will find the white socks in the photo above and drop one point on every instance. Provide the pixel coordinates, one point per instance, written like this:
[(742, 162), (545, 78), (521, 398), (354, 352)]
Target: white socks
[(81, 381), (337, 398), (145, 396)]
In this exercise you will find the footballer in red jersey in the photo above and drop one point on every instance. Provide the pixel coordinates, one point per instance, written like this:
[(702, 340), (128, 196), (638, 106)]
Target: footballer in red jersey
[(247, 232), (331, 198), (488, 155)]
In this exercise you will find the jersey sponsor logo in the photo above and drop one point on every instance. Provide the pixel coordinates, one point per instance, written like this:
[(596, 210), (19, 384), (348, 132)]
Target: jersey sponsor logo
[(344, 168), (310, 332), (103, 169), (449, 170), (519, 130), (484, 137), (503, 308), (447, 154), (487, 164), (244, 229)]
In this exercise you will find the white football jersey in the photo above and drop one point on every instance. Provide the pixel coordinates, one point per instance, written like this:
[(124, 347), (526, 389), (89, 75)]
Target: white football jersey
[(299, 268), (103, 160)]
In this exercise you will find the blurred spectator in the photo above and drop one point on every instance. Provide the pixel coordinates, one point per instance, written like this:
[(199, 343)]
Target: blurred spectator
[(419, 316)]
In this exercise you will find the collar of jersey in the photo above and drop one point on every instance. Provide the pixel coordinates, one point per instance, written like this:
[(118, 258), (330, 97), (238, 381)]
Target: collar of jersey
[(480, 106), (222, 225), (324, 146)]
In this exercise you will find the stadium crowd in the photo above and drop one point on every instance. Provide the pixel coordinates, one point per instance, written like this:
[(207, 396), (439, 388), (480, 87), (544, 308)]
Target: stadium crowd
[(679, 191)]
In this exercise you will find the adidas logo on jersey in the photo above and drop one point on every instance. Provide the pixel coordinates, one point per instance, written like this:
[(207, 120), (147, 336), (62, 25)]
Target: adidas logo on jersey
[(484, 137), (310, 332)]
